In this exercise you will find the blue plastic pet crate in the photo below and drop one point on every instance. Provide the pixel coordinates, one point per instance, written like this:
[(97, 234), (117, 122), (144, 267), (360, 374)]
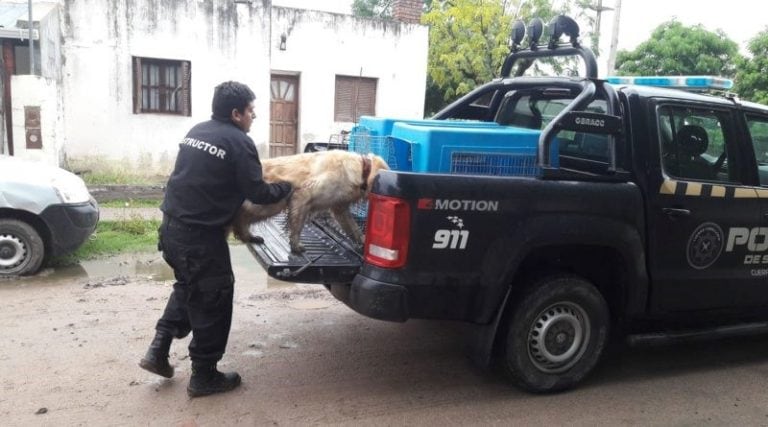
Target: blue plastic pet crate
[(500, 150), (382, 126), (397, 153), (373, 135)]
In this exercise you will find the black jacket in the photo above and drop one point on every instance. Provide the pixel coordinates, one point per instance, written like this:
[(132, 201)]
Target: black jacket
[(216, 169)]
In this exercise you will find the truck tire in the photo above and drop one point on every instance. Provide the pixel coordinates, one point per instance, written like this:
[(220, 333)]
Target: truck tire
[(556, 334), (21, 248)]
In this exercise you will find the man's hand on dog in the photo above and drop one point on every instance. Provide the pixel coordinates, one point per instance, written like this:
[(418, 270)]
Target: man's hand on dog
[(286, 188)]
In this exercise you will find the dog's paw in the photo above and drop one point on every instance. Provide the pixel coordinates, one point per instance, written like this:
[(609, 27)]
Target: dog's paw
[(297, 248)]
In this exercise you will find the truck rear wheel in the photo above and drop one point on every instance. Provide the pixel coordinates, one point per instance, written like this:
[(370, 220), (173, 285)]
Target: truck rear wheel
[(556, 334)]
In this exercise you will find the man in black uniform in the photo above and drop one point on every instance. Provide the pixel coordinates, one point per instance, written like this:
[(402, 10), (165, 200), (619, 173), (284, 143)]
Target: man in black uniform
[(216, 169)]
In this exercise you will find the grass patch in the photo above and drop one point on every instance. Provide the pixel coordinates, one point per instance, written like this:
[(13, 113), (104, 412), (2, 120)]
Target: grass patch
[(120, 178), (103, 170), (115, 237), (130, 235), (131, 203)]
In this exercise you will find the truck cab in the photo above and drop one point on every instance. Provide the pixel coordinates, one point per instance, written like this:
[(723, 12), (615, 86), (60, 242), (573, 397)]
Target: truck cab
[(700, 162)]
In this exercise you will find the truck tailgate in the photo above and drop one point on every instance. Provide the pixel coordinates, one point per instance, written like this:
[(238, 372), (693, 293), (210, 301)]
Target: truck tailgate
[(330, 256)]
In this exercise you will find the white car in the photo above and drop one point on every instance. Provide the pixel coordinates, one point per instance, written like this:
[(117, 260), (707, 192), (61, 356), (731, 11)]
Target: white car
[(45, 211)]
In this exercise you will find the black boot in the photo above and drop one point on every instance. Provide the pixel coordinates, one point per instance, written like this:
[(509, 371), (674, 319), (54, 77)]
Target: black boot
[(156, 359), (206, 379)]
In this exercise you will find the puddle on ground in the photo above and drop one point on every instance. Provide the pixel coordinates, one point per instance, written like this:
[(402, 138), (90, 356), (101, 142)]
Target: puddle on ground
[(249, 275)]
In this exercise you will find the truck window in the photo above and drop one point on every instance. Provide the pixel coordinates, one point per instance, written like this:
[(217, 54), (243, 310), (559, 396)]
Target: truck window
[(478, 107), (695, 144), (536, 111), (584, 145), (521, 111), (758, 131)]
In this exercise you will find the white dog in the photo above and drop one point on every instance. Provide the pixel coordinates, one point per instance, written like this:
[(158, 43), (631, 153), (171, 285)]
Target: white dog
[(325, 180)]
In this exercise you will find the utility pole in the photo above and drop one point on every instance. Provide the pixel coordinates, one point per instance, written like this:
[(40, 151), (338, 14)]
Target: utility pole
[(31, 43), (614, 38), (599, 9)]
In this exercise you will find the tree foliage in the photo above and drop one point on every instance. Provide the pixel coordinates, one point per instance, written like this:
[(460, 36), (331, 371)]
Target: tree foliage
[(752, 75), (372, 8), (467, 44), (676, 49), (469, 41)]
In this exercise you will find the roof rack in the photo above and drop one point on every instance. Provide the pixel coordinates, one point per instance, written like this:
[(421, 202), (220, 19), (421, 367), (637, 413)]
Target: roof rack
[(523, 54)]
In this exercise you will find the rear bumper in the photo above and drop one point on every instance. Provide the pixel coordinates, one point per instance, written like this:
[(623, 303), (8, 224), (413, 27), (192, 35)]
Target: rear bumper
[(70, 225), (383, 301)]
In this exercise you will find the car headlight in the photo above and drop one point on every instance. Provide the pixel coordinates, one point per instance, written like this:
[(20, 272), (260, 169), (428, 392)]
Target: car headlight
[(71, 189)]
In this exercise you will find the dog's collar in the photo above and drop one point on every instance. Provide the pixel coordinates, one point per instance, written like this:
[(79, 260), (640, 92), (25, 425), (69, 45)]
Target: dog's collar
[(366, 171)]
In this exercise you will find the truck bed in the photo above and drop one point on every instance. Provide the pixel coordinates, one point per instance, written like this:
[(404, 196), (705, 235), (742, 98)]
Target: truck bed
[(329, 257)]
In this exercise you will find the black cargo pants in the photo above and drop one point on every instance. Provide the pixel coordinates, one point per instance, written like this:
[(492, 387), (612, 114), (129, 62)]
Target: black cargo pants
[(201, 301)]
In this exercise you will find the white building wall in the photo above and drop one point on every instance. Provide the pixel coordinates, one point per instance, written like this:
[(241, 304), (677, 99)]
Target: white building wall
[(49, 58), (221, 39), (41, 92), (321, 45), (86, 54), (42, 89)]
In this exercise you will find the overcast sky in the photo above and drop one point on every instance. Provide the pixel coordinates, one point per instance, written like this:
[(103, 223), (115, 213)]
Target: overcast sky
[(739, 19)]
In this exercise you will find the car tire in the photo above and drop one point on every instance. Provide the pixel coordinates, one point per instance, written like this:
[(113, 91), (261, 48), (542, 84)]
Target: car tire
[(555, 334), (21, 248)]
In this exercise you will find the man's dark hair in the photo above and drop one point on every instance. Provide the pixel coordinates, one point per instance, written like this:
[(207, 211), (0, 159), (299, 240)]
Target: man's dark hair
[(230, 95)]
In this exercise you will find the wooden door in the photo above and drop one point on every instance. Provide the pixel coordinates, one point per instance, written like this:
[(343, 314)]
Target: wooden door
[(283, 115)]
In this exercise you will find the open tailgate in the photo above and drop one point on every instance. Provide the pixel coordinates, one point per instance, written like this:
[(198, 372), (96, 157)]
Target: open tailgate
[(330, 256)]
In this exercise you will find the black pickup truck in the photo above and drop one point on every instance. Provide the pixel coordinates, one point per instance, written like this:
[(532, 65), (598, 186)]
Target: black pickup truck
[(653, 225)]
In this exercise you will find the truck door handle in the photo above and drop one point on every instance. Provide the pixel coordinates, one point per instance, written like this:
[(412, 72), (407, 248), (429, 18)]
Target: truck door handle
[(676, 213)]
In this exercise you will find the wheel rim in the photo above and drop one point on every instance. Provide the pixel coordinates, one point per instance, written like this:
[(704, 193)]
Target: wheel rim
[(13, 251), (558, 337)]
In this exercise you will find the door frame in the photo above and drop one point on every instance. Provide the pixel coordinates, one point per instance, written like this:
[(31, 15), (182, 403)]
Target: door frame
[(295, 77)]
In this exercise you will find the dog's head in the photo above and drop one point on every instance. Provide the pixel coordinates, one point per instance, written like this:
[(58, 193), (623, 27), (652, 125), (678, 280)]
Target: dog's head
[(377, 164)]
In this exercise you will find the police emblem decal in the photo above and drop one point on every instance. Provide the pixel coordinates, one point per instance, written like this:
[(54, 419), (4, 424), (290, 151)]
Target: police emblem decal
[(705, 245)]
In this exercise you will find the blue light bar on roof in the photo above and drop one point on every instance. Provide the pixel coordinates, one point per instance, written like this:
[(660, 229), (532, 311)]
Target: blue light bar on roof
[(677, 82)]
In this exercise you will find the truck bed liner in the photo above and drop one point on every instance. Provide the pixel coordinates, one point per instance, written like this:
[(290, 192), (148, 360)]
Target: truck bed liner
[(330, 256)]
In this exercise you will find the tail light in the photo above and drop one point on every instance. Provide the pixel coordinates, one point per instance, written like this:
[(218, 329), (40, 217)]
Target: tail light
[(387, 231)]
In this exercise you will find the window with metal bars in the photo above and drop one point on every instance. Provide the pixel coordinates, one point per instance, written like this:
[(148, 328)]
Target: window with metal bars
[(355, 97), (161, 86)]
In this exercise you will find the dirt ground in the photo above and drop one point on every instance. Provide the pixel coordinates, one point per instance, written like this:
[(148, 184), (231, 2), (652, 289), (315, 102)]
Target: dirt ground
[(71, 340)]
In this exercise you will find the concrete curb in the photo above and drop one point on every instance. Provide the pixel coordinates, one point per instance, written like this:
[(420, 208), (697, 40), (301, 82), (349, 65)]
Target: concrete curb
[(105, 193), (125, 214), (110, 192)]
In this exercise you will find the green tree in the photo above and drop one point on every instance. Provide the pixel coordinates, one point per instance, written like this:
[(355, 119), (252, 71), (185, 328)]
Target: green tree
[(752, 74), (469, 42), (372, 8), (676, 49)]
